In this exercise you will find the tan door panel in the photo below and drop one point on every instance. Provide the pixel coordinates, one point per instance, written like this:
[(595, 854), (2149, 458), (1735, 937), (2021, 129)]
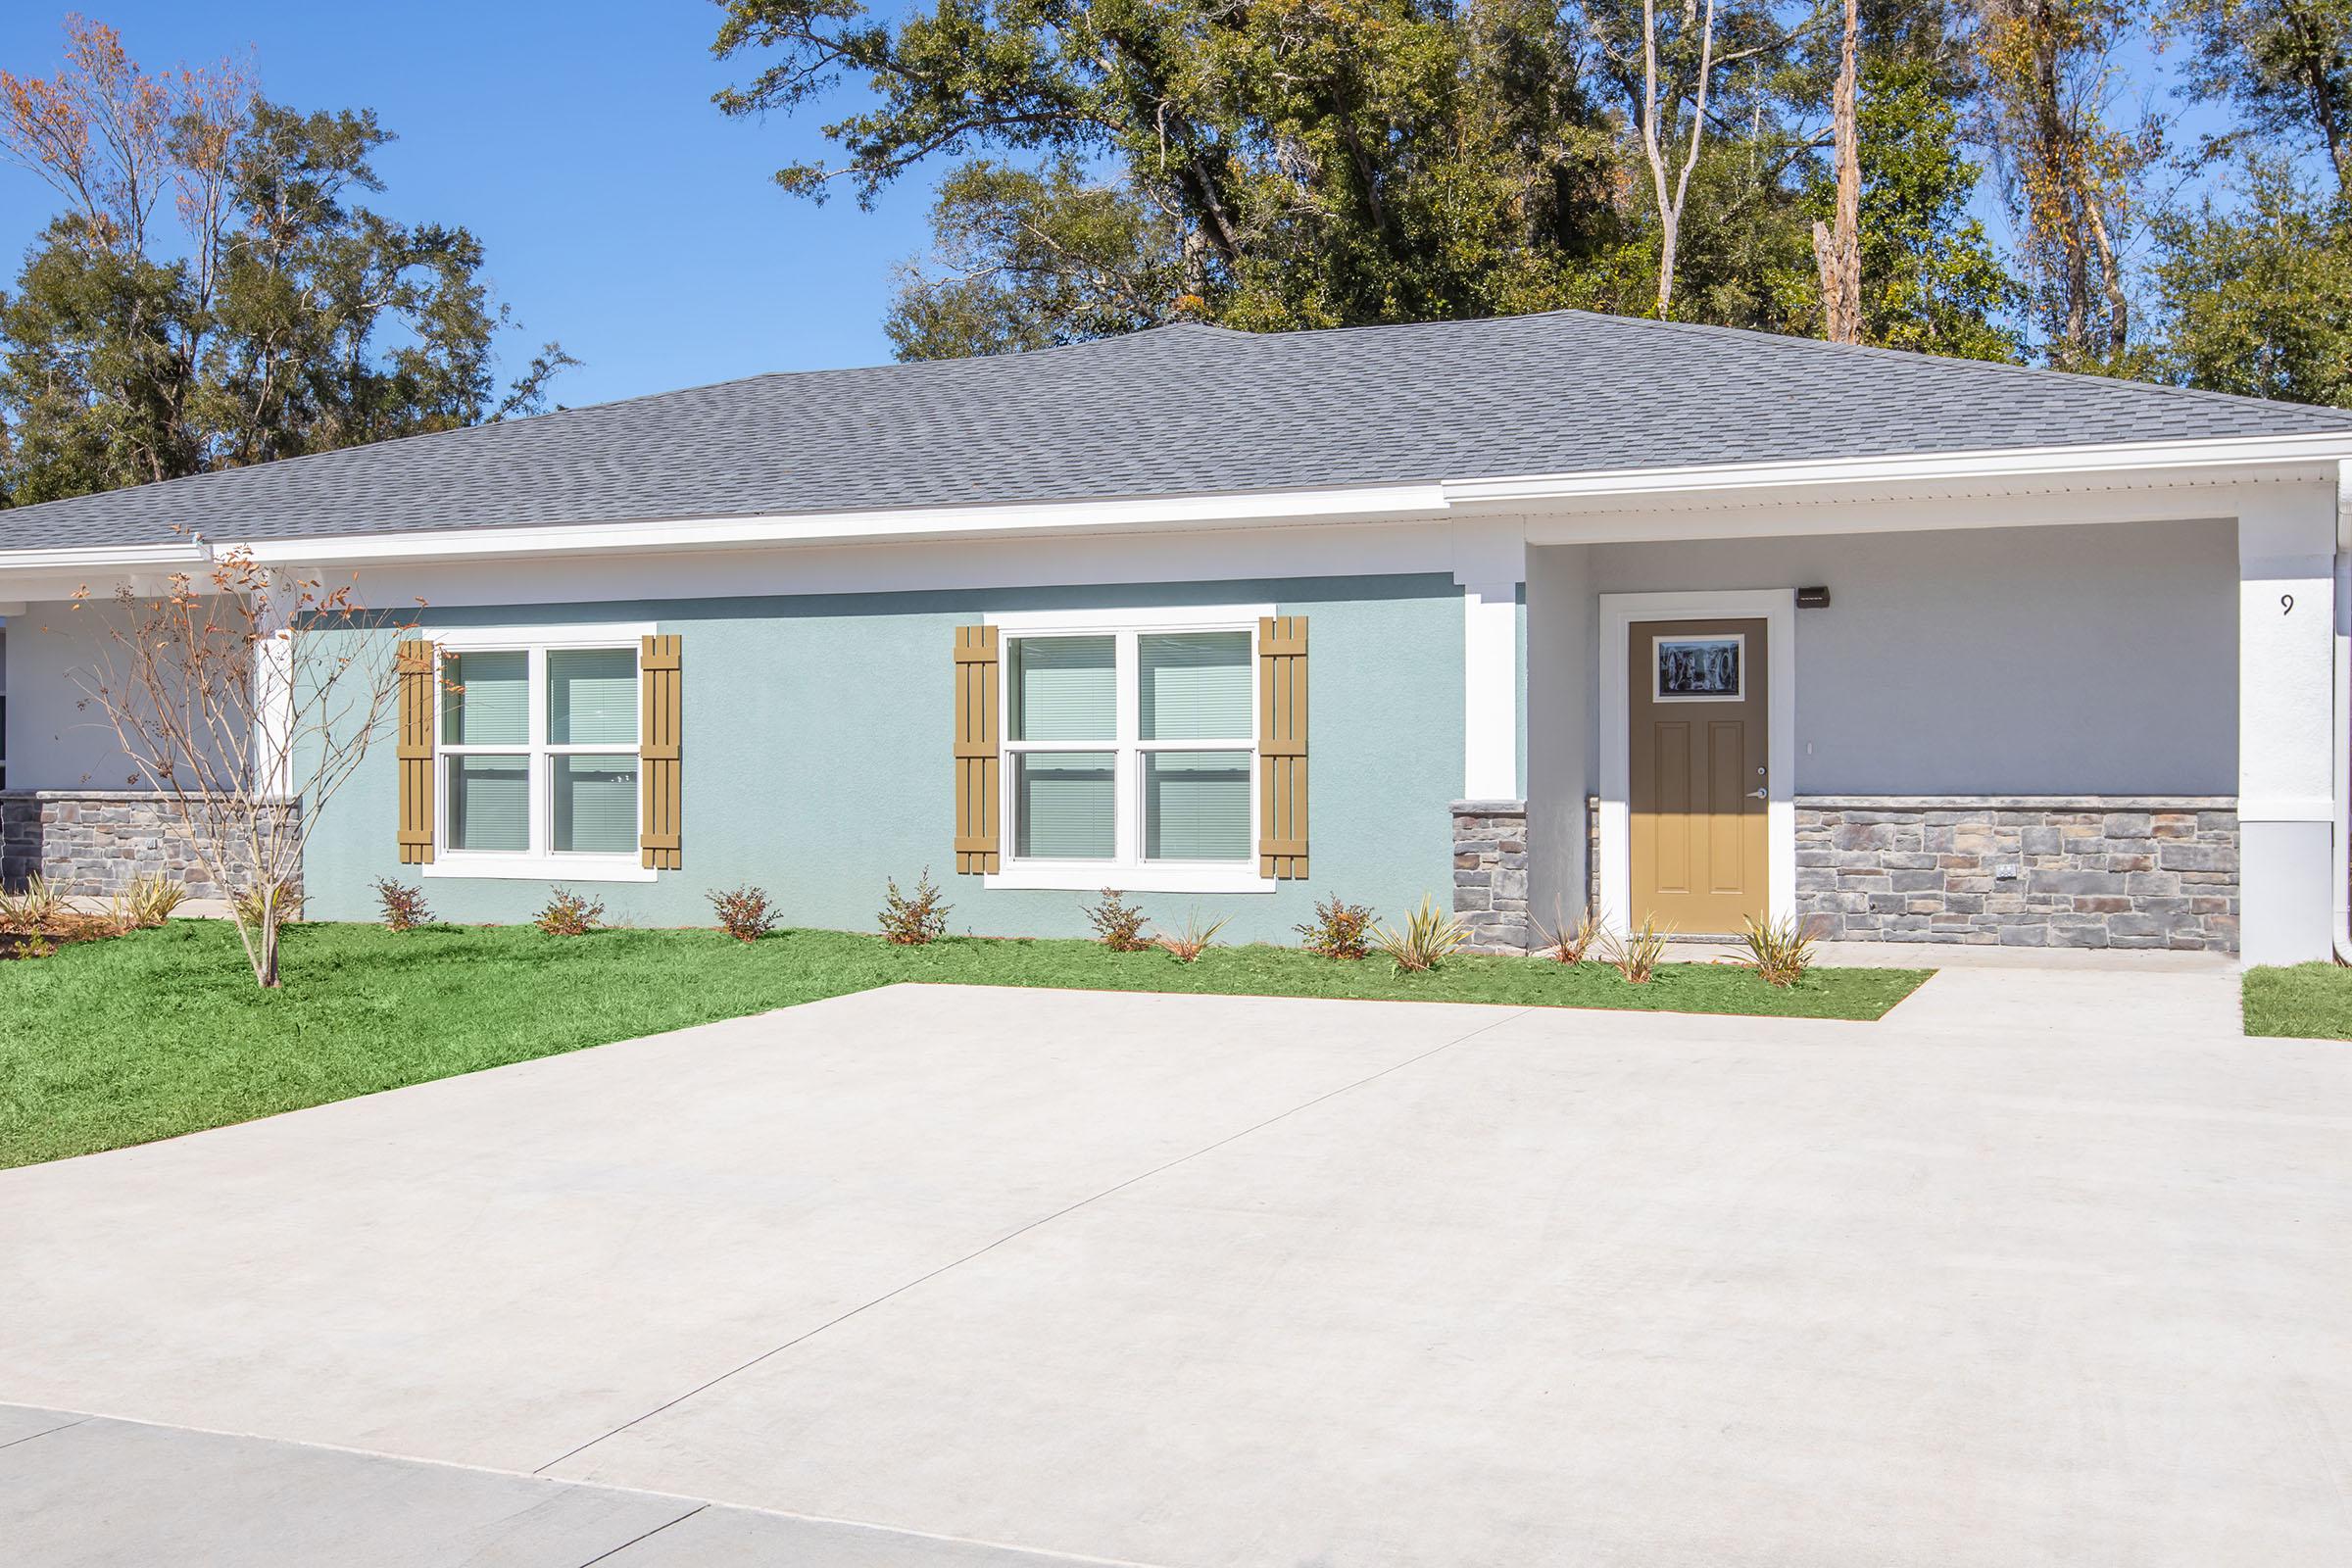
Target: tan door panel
[(1697, 804)]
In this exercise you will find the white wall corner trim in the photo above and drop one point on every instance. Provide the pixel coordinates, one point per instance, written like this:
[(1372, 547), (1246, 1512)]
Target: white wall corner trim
[(1490, 565), (2287, 726), (1619, 615)]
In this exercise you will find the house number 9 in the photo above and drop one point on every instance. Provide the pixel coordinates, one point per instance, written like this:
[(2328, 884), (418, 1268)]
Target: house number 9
[(2286, 604)]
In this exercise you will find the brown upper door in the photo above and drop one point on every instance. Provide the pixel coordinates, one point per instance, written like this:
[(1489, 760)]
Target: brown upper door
[(1698, 788)]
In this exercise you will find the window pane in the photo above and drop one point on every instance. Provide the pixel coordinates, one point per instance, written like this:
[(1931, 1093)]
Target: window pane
[(592, 696), (1066, 803), (596, 805), (1197, 805), (1065, 689), (485, 699), (1196, 686), (489, 803)]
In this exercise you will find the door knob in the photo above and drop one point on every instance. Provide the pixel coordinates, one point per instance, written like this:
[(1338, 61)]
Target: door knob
[(1755, 795)]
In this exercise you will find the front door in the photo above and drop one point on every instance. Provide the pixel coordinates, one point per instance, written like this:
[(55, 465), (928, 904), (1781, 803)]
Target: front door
[(1697, 781)]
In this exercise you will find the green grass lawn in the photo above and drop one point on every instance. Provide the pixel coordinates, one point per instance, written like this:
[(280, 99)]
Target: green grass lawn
[(2308, 1002), (162, 1032)]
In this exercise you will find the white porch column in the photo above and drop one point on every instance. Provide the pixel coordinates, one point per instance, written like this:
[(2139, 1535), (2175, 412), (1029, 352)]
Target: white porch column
[(1489, 563), (2286, 699)]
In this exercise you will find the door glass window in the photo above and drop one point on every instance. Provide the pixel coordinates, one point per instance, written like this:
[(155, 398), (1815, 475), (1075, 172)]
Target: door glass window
[(1699, 668)]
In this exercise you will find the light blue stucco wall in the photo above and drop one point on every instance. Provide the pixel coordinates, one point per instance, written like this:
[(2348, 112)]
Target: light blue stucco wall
[(817, 761)]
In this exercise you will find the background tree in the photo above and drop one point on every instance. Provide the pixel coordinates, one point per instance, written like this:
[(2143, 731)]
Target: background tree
[(270, 317), (2048, 82), (1930, 278), (1837, 246), (2258, 290), (2285, 69)]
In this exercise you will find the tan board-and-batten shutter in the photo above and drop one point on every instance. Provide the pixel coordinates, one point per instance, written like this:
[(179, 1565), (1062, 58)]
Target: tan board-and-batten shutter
[(976, 812), (415, 670), (661, 725), (1282, 747)]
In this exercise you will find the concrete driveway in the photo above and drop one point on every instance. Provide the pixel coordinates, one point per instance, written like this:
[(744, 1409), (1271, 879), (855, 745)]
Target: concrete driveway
[(2047, 1267)]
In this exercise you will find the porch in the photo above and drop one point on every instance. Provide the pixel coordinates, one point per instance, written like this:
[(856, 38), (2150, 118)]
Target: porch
[(2103, 718)]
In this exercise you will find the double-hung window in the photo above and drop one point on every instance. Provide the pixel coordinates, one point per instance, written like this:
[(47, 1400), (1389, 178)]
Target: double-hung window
[(1130, 750), (537, 755)]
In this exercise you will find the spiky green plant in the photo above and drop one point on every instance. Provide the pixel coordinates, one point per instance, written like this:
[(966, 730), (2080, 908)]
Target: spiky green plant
[(1636, 955), (1780, 950), (1428, 937)]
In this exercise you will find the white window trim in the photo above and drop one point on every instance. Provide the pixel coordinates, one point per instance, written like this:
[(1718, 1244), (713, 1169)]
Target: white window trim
[(1127, 870), (539, 863), (1619, 615)]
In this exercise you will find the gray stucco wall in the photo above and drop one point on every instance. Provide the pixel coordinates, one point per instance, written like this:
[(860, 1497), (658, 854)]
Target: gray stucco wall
[(56, 739), (818, 732), (2049, 660)]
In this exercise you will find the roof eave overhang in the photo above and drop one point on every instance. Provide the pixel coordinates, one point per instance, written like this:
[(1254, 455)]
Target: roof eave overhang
[(1746, 486)]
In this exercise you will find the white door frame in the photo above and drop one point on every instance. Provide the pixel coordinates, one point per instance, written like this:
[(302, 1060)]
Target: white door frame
[(1619, 615)]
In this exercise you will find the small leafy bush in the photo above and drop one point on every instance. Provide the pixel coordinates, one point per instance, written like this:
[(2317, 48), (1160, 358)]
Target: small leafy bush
[(1425, 941), (1338, 930), (1187, 946), (147, 901), (1779, 950), (32, 905), (917, 920), (248, 906), (1636, 956), (1574, 944), (569, 915), (743, 911), (1118, 923), (402, 905)]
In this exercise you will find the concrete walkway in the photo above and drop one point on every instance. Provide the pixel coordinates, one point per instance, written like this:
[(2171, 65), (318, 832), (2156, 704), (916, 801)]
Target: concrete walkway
[(2047, 1267)]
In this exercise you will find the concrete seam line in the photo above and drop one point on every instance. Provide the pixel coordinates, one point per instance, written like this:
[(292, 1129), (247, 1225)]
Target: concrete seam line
[(633, 1539), (44, 1432), (1043, 1219)]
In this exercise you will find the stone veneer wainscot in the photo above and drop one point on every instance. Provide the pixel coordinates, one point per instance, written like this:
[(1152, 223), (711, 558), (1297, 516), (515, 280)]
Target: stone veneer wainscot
[(2021, 870), (93, 843), (1490, 874)]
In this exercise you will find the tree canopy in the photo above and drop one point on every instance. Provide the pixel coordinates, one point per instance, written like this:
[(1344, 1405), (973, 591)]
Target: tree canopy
[(1102, 166), (272, 312)]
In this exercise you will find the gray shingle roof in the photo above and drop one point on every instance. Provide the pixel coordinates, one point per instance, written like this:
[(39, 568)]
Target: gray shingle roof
[(1179, 410)]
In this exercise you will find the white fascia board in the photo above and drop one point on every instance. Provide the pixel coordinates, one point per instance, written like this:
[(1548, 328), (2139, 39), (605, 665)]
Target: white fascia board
[(1238, 510), (103, 558), (2004, 465)]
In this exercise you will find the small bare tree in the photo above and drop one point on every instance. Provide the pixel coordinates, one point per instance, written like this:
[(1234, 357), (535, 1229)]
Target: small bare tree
[(247, 696)]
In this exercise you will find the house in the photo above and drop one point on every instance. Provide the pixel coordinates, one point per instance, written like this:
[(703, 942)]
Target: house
[(1683, 622)]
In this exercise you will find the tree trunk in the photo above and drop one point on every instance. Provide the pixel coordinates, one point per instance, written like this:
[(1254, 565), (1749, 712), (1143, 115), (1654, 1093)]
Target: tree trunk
[(1838, 251), (266, 969)]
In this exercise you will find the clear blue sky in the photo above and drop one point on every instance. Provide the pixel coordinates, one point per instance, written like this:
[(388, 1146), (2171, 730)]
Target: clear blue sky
[(621, 213)]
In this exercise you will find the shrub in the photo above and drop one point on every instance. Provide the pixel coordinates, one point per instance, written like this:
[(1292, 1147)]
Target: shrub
[(1338, 930), (1780, 950), (568, 914), (248, 906), (1636, 956), (1574, 944), (404, 905), (32, 907), (1187, 946), (918, 920), (1426, 940), (147, 901), (743, 911), (1118, 923)]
